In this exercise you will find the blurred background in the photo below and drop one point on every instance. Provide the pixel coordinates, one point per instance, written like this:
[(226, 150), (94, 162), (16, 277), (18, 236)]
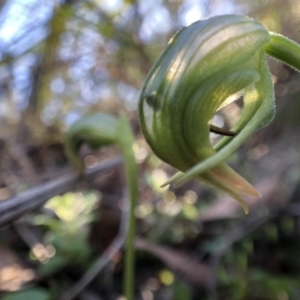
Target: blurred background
[(61, 60)]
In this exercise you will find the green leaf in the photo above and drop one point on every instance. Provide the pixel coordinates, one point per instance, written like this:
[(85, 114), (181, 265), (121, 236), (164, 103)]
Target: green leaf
[(32, 294)]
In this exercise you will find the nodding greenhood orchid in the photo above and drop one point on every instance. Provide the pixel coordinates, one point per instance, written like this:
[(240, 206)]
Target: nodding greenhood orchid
[(203, 66)]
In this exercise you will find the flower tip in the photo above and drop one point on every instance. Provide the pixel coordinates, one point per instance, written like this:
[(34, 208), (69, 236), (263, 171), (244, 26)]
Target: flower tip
[(172, 179), (246, 209), (251, 191), (243, 203), (165, 184)]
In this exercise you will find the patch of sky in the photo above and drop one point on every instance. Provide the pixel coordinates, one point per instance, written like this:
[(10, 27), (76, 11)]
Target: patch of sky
[(4, 73), (76, 73), (88, 94), (67, 39), (129, 95), (223, 7), (81, 68), (22, 70), (104, 92), (51, 111), (86, 62), (58, 85), (100, 75), (74, 25), (110, 6), (67, 52), (89, 15), (157, 21), (3, 109), (112, 47), (20, 100), (18, 30), (36, 36), (190, 12), (83, 48), (72, 117), (87, 38), (146, 5), (21, 80)]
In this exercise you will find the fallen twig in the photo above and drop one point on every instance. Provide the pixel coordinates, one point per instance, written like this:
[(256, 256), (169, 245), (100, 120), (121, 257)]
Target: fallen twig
[(13, 208)]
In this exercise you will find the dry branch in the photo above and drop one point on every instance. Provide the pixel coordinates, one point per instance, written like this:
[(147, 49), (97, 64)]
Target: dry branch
[(13, 208)]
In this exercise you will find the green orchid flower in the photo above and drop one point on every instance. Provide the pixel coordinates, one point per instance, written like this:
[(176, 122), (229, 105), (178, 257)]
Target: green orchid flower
[(102, 130), (202, 68)]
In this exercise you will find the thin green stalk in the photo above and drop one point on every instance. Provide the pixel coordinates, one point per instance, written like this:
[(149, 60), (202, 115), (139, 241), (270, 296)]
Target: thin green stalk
[(284, 49), (126, 142), (98, 130)]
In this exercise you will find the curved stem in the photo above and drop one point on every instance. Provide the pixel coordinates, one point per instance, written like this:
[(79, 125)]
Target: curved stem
[(284, 49), (98, 130)]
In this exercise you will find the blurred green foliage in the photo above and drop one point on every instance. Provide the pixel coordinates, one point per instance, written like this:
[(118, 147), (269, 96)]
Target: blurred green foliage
[(33, 294), (67, 231)]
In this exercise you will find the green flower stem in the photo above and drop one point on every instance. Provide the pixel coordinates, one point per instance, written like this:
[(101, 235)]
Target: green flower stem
[(284, 49), (98, 130), (126, 140)]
